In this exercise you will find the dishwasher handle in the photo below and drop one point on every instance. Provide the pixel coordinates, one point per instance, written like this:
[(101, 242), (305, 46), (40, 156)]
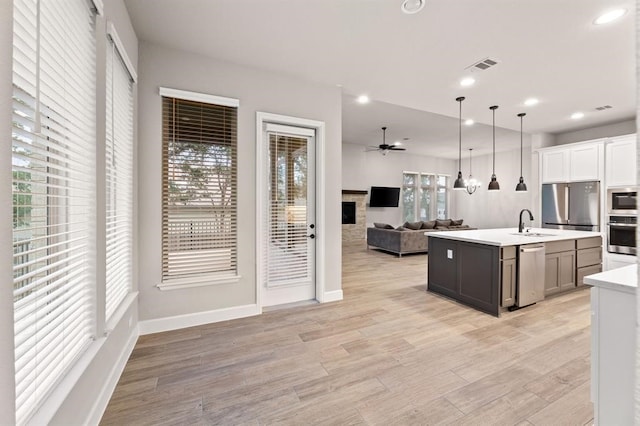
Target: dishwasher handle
[(531, 249)]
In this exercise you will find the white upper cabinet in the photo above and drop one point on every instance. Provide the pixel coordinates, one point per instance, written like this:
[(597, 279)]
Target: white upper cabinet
[(576, 162), (621, 161), (555, 166), (584, 162)]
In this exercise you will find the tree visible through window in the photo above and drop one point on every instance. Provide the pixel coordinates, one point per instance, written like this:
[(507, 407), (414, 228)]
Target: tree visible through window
[(199, 188)]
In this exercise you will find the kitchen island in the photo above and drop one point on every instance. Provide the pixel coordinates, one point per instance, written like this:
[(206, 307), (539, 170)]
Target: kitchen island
[(479, 268)]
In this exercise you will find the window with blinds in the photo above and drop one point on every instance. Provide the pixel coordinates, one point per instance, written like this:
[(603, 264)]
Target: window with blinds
[(119, 184), (53, 165), (199, 191)]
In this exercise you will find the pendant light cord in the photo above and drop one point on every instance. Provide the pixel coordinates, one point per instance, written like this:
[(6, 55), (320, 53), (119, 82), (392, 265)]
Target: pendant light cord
[(494, 141), (521, 115), (460, 135)]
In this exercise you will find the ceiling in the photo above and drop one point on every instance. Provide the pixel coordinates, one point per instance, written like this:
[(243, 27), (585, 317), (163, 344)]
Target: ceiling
[(411, 65)]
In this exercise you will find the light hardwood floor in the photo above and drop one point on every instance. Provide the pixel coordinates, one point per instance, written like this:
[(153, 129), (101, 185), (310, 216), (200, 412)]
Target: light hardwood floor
[(389, 353)]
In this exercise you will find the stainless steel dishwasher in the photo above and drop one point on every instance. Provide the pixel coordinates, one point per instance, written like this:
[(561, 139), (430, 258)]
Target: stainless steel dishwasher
[(530, 274)]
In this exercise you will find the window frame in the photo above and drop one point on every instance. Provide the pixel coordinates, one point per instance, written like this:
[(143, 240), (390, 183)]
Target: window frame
[(202, 278), (119, 176), (418, 189)]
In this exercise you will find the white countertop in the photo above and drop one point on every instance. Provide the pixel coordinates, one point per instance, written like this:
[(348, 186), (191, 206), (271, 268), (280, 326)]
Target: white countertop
[(510, 236), (622, 279)]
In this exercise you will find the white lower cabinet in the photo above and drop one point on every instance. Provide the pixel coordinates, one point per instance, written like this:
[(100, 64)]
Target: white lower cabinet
[(613, 348)]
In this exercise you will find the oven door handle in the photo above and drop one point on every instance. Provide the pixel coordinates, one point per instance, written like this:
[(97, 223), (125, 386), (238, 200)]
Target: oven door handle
[(624, 225)]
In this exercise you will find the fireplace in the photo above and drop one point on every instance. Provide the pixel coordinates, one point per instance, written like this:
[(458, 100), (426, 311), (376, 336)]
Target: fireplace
[(348, 212), (354, 220)]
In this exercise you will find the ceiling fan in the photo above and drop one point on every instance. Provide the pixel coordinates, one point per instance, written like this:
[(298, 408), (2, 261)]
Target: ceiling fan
[(384, 147)]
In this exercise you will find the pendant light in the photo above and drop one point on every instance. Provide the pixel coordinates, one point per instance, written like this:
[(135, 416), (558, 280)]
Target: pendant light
[(521, 186), (471, 185), (459, 183), (494, 185)]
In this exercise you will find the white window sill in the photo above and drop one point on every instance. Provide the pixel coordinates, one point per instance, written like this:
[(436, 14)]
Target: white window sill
[(198, 281)]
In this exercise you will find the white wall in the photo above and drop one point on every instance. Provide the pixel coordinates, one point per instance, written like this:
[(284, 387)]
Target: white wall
[(361, 170), (257, 91)]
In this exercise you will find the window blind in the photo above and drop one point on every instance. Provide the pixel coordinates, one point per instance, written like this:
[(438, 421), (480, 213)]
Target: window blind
[(199, 193), (119, 185), (53, 165)]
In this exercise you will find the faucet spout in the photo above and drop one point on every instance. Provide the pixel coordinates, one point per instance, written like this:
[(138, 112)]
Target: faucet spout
[(520, 222)]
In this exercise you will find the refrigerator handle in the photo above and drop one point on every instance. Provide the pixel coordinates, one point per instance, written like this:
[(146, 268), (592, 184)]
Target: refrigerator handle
[(566, 202)]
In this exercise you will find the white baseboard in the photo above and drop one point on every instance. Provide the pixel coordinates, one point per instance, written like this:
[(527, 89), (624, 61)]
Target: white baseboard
[(197, 318), (109, 386), (332, 296)]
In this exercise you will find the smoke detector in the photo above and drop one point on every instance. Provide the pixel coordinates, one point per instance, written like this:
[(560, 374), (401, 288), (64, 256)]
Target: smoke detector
[(412, 6)]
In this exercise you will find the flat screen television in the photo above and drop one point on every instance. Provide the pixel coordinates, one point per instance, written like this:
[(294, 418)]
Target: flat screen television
[(382, 196)]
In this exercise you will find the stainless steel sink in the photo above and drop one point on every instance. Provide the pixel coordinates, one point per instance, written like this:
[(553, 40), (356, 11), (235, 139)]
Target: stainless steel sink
[(533, 234)]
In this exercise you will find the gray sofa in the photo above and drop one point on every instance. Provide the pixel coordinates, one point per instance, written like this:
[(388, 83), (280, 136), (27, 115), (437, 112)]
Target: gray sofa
[(410, 237)]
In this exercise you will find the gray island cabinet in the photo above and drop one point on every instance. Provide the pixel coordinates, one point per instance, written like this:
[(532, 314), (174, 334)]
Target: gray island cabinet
[(479, 268)]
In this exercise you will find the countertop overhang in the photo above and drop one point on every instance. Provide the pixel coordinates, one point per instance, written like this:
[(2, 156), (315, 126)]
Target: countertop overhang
[(623, 279), (510, 236)]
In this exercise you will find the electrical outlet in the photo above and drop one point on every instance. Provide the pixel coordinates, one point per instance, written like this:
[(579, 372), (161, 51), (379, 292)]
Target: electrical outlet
[(449, 254)]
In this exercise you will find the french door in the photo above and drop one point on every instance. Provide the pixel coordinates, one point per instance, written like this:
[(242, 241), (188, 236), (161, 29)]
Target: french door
[(288, 266)]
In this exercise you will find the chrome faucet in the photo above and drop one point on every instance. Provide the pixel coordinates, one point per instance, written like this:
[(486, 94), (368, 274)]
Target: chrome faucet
[(521, 223)]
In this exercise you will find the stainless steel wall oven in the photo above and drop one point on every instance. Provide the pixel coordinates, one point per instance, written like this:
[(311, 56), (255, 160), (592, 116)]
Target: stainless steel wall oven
[(621, 234)]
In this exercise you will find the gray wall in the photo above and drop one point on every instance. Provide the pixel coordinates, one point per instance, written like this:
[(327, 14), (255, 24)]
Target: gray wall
[(84, 392), (257, 91), (361, 170), (483, 209), (497, 209), (609, 130)]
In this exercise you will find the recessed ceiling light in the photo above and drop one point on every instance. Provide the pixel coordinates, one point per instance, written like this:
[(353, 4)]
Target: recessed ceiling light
[(469, 122), (531, 102), (397, 143), (610, 16), (363, 99), (412, 6), (577, 115), (467, 81)]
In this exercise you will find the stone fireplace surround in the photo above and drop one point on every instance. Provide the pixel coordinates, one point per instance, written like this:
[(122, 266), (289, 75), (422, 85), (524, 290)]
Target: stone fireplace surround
[(357, 231)]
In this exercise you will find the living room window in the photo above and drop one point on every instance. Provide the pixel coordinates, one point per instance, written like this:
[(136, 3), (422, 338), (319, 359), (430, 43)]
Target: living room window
[(199, 189), (119, 153), (424, 196), (54, 186)]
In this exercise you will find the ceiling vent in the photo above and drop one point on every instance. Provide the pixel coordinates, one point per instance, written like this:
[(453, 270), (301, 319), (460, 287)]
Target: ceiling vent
[(603, 107), (483, 64)]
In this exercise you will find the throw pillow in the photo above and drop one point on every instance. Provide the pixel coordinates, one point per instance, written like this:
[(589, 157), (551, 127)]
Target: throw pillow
[(382, 225), (412, 225), (429, 224), (443, 223), (456, 222), (401, 228)]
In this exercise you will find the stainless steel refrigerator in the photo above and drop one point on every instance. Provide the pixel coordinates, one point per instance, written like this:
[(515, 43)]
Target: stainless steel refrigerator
[(573, 206)]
